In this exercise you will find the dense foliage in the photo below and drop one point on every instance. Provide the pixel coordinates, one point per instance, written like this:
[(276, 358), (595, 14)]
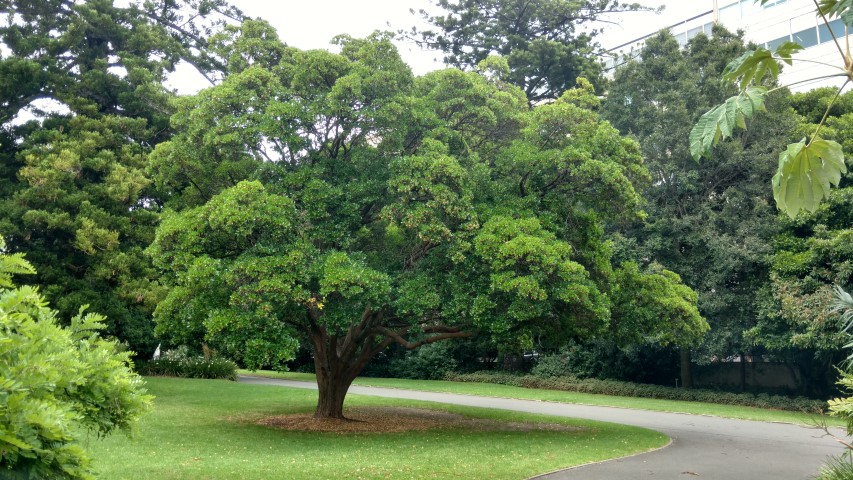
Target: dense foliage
[(543, 42), (81, 106), (335, 199), (56, 384), (180, 363), (628, 389), (711, 221), (811, 255)]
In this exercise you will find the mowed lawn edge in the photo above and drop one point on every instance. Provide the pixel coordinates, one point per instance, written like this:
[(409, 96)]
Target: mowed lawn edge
[(558, 396), (205, 429)]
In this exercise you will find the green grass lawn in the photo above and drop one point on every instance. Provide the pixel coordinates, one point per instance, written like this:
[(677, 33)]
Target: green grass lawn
[(505, 391), (206, 429)]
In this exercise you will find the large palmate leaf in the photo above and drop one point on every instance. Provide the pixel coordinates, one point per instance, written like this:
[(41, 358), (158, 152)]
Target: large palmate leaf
[(755, 64), (720, 122), (806, 173), (842, 9)]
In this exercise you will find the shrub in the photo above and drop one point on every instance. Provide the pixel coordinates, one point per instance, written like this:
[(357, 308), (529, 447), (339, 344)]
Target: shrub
[(429, 362), (635, 363), (179, 363), (837, 468), (628, 389), (56, 383), (550, 366)]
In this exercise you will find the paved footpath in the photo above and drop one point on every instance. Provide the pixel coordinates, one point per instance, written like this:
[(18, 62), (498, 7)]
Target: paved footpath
[(702, 447)]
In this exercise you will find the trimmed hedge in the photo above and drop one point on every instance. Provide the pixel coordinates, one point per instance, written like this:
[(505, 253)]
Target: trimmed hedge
[(627, 389), (177, 363)]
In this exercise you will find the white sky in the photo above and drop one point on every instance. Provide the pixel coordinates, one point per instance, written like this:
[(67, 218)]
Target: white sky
[(312, 24)]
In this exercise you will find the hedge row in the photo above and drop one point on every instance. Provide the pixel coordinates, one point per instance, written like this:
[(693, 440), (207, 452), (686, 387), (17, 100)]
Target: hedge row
[(627, 389), (190, 367)]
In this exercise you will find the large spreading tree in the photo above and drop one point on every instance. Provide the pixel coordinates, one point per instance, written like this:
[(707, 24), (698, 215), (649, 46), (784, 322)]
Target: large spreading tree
[(337, 200)]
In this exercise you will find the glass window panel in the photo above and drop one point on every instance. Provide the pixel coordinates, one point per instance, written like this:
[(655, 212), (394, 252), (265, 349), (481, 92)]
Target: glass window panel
[(708, 28), (693, 32), (772, 44), (837, 29), (749, 7), (807, 38)]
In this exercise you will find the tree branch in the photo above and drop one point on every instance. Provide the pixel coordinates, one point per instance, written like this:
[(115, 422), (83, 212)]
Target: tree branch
[(396, 337)]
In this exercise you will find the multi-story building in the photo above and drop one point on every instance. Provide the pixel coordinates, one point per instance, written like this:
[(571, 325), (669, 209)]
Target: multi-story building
[(770, 25)]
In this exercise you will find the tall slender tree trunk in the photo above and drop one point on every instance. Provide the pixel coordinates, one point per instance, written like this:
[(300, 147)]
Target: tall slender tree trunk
[(742, 372), (686, 370)]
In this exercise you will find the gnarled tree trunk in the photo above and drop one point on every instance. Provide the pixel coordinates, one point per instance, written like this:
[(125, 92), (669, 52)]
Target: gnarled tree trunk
[(333, 387), (339, 359)]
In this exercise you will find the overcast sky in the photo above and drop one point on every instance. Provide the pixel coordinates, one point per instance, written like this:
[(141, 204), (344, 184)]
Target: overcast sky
[(312, 24)]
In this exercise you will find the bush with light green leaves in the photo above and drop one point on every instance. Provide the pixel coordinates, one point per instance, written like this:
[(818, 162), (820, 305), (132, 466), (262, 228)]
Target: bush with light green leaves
[(56, 384)]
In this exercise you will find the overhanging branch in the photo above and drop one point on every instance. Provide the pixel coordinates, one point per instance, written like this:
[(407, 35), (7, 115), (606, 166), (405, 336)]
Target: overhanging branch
[(395, 336)]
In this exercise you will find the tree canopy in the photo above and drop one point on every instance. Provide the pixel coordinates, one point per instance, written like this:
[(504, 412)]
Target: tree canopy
[(544, 43), (811, 256), (712, 221), (81, 106), (338, 200)]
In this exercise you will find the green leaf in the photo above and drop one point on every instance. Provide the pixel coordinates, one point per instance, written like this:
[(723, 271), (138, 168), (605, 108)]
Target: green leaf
[(721, 121), (752, 65), (12, 264), (806, 173), (786, 50), (842, 9), (15, 442)]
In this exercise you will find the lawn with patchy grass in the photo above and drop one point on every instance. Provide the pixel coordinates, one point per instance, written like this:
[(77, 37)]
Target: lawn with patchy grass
[(506, 391), (214, 429)]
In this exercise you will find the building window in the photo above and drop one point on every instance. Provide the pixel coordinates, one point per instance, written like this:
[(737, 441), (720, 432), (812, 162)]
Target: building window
[(693, 32), (807, 38), (774, 44), (823, 31)]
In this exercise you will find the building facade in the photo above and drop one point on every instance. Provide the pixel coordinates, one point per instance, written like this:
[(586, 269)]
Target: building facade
[(768, 25)]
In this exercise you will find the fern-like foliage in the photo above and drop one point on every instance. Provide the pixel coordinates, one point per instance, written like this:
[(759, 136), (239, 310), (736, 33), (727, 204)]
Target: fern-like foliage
[(12, 264)]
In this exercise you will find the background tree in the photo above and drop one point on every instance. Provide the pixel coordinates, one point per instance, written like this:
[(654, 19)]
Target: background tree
[(712, 222), (811, 256), (82, 382), (78, 197), (353, 206), (540, 40), (808, 168)]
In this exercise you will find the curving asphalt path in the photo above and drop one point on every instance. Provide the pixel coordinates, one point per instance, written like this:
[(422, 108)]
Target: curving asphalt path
[(702, 447)]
